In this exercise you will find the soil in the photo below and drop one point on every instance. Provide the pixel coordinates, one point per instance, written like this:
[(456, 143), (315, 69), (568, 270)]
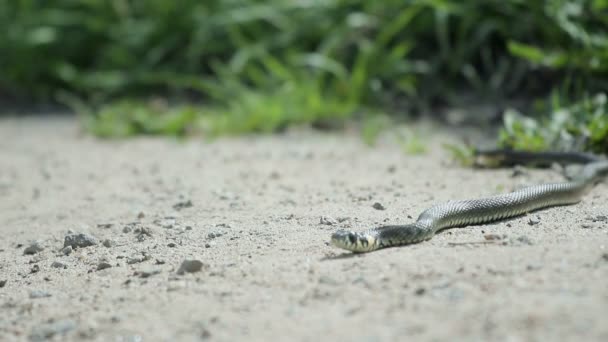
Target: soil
[(158, 239)]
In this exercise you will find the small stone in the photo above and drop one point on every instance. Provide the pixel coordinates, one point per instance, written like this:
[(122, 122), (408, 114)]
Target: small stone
[(518, 171), (147, 272), (66, 250), (215, 234), (139, 258), (127, 229), (378, 206), (33, 248), (604, 257), (103, 265), (586, 226), (207, 245), (35, 269), (141, 215), (171, 244), (328, 220), (36, 259), (47, 331), (79, 240), (391, 169), (420, 291), (58, 264), (598, 218), (182, 205), (493, 237), (2, 283), (105, 225), (534, 220), (107, 243), (143, 233), (190, 266), (39, 294)]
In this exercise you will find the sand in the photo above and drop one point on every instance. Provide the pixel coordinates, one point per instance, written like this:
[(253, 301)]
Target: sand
[(254, 216)]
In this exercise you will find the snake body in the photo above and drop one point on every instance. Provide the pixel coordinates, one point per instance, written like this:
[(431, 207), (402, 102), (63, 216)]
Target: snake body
[(478, 211)]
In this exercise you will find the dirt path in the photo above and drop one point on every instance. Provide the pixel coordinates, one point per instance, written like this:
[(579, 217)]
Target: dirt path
[(258, 213)]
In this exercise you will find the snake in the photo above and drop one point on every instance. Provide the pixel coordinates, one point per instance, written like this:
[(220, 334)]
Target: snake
[(461, 213)]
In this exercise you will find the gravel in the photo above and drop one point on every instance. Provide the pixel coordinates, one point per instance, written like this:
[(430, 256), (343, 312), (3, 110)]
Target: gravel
[(190, 266), (79, 240), (378, 206), (58, 264), (33, 248), (103, 265)]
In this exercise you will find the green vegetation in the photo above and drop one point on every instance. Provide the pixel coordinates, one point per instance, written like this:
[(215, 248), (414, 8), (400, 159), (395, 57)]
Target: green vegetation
[(260, 66), (579, 126)]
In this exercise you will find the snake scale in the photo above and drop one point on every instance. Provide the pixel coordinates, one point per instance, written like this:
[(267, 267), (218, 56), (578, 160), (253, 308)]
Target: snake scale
[(483, 210)]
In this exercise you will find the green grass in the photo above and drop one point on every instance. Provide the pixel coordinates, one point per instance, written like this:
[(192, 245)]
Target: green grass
[(260, 66), (576, 126)]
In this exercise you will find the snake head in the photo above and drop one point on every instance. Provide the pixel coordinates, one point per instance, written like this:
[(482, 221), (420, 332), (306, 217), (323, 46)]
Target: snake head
[(354, 242)]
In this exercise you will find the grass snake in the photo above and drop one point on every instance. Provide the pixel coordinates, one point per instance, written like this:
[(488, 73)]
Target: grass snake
[(483, 210)]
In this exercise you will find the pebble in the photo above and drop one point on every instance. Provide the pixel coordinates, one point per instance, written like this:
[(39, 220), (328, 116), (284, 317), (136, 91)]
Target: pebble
[(518, 171), (34, 294), (147, 272), (215, 234), (534, 220), (47, 331), (103, 265), (420, 291), (598, 218), (107, 243), (182, 205), (3, 283), (604, 257), (328, 221), (58, 264), (378, 206), (137, 259), (33, 248), (493, 237), (144, 231), (79, 240), (190, 266), (35, 269), (66, 250)]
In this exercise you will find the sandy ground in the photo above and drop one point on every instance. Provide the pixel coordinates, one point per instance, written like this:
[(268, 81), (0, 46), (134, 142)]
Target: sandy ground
[(258, 213)]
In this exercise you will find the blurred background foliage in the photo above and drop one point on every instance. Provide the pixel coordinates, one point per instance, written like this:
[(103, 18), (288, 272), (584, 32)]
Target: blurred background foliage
[(238, 66)]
